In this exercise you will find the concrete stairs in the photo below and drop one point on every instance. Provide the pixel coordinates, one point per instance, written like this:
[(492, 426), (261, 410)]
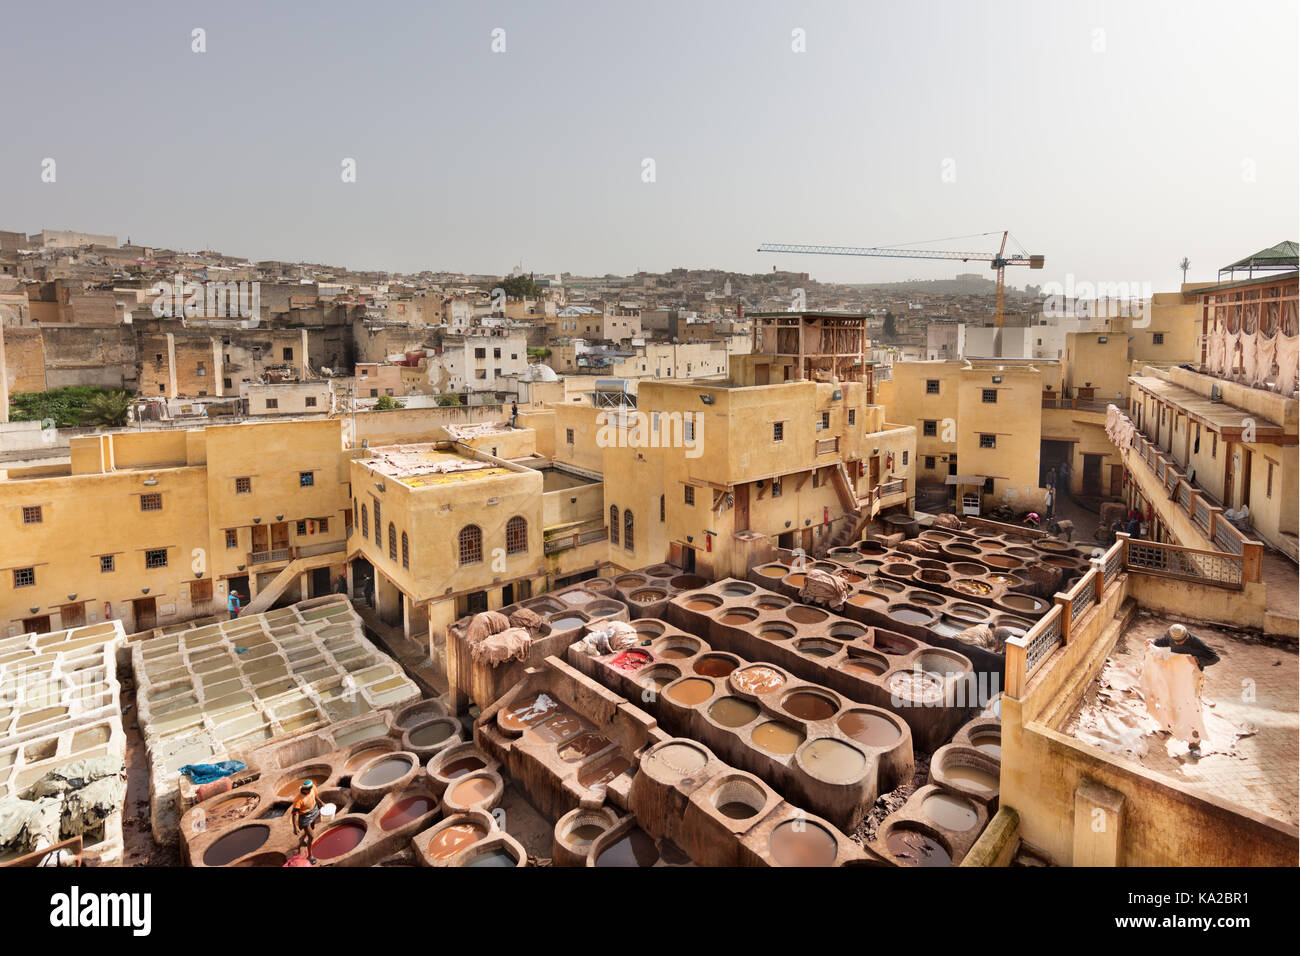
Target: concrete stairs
[(289, 573)]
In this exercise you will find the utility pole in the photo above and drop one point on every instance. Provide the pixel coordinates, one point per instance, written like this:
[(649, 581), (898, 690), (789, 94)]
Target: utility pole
[(1185, 265)]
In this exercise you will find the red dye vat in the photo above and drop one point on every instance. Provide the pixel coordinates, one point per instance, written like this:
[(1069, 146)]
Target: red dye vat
[(338, 840), (630, 660)]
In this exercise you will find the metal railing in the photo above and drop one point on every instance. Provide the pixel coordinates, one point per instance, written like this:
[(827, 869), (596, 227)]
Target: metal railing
[(1083, 596), (269, 557), (1202, 514), (897, 486), (567, 541), (323, 547)]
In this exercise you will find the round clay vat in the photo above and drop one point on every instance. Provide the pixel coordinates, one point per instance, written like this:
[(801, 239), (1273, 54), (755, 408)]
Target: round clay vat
[(852, 577), (843, 552), (936, 534), (480, 790), (224, 810), (418, 713), (576, 831), (967, 568), (1057, 561), (899, 569), (803, 614), (1057, 547), (772, 571), (445, 840), (846, 631), (544, 605), (604, 586), (413, 807), (688, 582), (628, 581), (1019, 624), (894, 644), (771, 602), (864, 664), (948, 811), (737, 589), (339, 841), (756, 680), (816, 647), (656, 677), (374, 780), (828, 566), (732, 712), (994, 544), (808, 704), (497, 850), (888, 586), (623, 845), (870, 547), (289, 782), (236, 844), (869, 565), (524, 711), (970, 613), (675, 646), (967, 771), (648, 628), (930, 564), (910, 614), (937, 660), (985, 735), (740, 617), (701, 603), (454, 762), (1009, 581), (432, 736), (674, 759), (270, 858), (779, 737), (924, 598), (741, 800), (776, 631), (931, 576), (575, 597), (646, 596), (1020, 551), (568, 620), (909, 843), (973, 587), (792, 582), (689, 691), (715, 664), (1023, 603), (802, 842), (1003, 562), (606, 609), (661, 571), (358, 755), (865, 598), (831, 760)]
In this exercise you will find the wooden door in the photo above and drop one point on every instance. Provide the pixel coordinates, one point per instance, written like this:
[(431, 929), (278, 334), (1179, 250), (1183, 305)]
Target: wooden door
[(146, 613), (741, 501), (1092, 476), (72, 615), (261, 539), (40, 624), (1117, 481), (279, 535)]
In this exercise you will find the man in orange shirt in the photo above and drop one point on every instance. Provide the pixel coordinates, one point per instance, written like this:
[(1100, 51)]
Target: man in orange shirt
[(304, 815)]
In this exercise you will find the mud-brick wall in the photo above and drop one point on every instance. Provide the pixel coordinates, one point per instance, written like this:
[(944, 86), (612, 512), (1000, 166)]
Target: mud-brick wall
[(24, 360)]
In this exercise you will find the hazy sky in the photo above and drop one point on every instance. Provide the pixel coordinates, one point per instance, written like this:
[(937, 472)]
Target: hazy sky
[(1115, 137)]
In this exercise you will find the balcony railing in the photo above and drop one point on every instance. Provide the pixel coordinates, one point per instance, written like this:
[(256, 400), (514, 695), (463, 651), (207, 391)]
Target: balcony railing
[(270, 557), (897, 486)]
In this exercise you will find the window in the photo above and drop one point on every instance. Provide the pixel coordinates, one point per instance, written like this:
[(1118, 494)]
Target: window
[(627, 529), (310, 401), (904, 458), (288, 355), (31, 514), (272, 403), (932, 386), (1158, 338), (107, 564), (201, 371), (853, 414), (378, 522), (930, 428), (302, 527), (826, 420), (929, 462), (24, 577), (155, 558), (568, 436), (613, 524), (227, 383), (688, 430), (1268, 488), (496, 353), (392, 542), (988, 441), (1214, 444), (990, 396), (516, 535), (776, 487), (151, 502), (374, 393), (306, 479), (689, 494), (988, 486), (365, 523), (470, 542), (778, 431), (480, 353), (232, 539), (406, 551), (322, 525), (662, 508), (243, 486)]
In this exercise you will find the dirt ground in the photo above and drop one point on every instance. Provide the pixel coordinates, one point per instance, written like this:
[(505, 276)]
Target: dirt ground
[(887, 803), (137, 834)]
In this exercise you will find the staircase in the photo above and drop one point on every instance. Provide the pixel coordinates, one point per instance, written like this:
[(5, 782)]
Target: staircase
[(289, 573)]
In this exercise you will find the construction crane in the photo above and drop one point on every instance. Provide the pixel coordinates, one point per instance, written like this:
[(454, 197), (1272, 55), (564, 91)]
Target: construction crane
[(998, 260)]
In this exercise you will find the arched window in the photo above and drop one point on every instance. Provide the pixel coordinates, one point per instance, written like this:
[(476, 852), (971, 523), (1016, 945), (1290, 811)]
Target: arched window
[(406, 552), (627, 529), (516, 535), (613, 524), (471, 544), (365, 523), (392, 542), (356, 514)]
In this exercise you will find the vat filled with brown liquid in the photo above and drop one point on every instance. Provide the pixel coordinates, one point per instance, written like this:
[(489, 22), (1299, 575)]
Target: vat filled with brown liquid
[(802, 843)]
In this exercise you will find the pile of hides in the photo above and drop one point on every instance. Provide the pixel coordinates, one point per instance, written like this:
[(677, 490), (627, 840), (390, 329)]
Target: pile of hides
[(821, 587), (485, 624), (918, 549), (946, 521), (530, 621), (990, 638), (72, 799), (610, 637), (1041, 580), (510, 644)]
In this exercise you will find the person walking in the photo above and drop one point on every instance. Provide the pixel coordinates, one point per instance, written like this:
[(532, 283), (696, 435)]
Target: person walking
[(1049, 502), (304, 816), (233, 604), (514, 414)]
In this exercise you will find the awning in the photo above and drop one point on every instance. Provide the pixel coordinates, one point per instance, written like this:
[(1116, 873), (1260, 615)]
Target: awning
[(965, 479)]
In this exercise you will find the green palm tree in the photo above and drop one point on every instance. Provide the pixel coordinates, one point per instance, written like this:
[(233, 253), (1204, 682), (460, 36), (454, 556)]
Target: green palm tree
[(107, 409)]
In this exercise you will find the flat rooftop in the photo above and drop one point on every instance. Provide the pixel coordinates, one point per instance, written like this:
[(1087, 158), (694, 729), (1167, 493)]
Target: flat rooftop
[(1250, 754), (1218, 416), (422, 466)]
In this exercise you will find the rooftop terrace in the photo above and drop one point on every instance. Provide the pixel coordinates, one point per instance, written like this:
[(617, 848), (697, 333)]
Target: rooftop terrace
[(426, 465)]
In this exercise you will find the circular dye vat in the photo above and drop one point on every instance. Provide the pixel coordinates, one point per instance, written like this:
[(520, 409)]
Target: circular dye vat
[(891, 644), (808, 706), (914, 848), (772, 602), (236, 843), (432, 734), (973, 778), (691, 691), (585, 833), (495, 857), (816, 648), (772, 570), (419, 714), (406, 810), (450, 840), (864, 666), (738, 589), (958, 548), (688, 582), (736, 810), (868, 728), (757, 680), (733, 711), (1023, 602), (291, 785), (796, 579), (528, 711), (676, 652), (648, 595), (833, 759), (714, 665), (968, 612), (228, 811), (384, 772), (863, 598), (805, 615), (473, 790), (925, 598), (682, 758), (657, 678), (581, 747), (338, 840), (633, 848), (950, 812), (706, 603), (777, 737), (916, 685), (647, 628), (969, 586), (990, 743), (567, 623), (738, 617), (802, 843), (629, 580), (361, 758), (631, 660), (910, 615), (776, 632), (461, 766)]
